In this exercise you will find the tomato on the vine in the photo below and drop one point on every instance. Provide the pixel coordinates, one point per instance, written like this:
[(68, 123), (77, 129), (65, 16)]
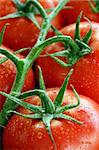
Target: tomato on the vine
[(7, 77), (74, 7), (85, 77), (22, 32), (31, 134)]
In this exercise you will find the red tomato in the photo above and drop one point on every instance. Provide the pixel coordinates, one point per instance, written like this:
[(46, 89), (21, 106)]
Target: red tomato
[(70, 15), (22, 32), (85, 77), (29, 134), (7, 76)]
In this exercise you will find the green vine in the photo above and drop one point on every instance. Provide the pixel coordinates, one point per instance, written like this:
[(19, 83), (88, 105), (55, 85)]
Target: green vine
[(23, 65)]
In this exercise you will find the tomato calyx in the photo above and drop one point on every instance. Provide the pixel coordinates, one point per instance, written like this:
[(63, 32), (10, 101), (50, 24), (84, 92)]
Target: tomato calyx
[(95, 8), (74, 49), (48, 110), (28, 10)]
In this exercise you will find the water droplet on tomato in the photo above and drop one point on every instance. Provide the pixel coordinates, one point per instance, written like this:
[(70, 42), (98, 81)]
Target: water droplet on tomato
[(40, 135)]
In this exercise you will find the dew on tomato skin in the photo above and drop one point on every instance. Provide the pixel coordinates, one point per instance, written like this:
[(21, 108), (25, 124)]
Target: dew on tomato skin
[(56, 123), (40, 135), (54, 92), (15, 29), (59, 137), (33, 40), (51, 147), (21, 124), (16, 41)]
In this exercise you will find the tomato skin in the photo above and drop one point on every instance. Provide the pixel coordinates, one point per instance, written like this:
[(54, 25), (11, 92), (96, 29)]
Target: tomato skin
[(7, 77), (85, 77), (29, 134), (70, 15), (22, 32)]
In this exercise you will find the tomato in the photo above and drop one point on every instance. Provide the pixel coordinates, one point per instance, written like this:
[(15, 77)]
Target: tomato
[(85, 77), (76, 6), (22, 32), (31, 134), (7, 77)]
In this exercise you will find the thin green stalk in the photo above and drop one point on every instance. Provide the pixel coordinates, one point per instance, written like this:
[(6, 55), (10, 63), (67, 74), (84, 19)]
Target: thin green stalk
[(39, 7), (47, 23), (16, 90), (58, 9)]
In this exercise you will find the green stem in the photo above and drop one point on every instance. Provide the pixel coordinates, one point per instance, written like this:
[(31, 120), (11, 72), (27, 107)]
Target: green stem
[(39, 7), (58, 9), (35, 52), (18, 4), (16, 90), (10, 55), (47, 23)]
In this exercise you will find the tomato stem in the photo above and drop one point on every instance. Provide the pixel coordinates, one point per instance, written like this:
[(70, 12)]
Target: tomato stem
[(10, 55), (24, 64)]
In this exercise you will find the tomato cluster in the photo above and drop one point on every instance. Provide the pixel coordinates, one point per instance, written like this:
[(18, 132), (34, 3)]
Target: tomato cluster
[(74, 127)]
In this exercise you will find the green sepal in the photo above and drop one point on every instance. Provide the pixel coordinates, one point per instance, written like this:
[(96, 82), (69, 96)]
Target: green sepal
[(87, 37), (59, 99), (77, 31), (60, 62), (85, 49), (30, 116), (41, 80), (2, 33), (67, 117), (13, 15), (42, 87), (47, 121), (70, 106)]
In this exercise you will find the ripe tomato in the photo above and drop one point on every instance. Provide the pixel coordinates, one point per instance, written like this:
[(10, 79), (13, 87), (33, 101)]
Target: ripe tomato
[(85, 77), (70, 15), (7, 76), (22, 32), (30, 134)]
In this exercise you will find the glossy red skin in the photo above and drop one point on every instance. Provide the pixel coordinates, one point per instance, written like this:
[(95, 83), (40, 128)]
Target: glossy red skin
[(85, 77), (7, 76), (70, 15), (29, 134), (22, 32)]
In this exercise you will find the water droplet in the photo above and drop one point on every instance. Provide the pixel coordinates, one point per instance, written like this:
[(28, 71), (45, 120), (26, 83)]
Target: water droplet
[(40, 135)]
